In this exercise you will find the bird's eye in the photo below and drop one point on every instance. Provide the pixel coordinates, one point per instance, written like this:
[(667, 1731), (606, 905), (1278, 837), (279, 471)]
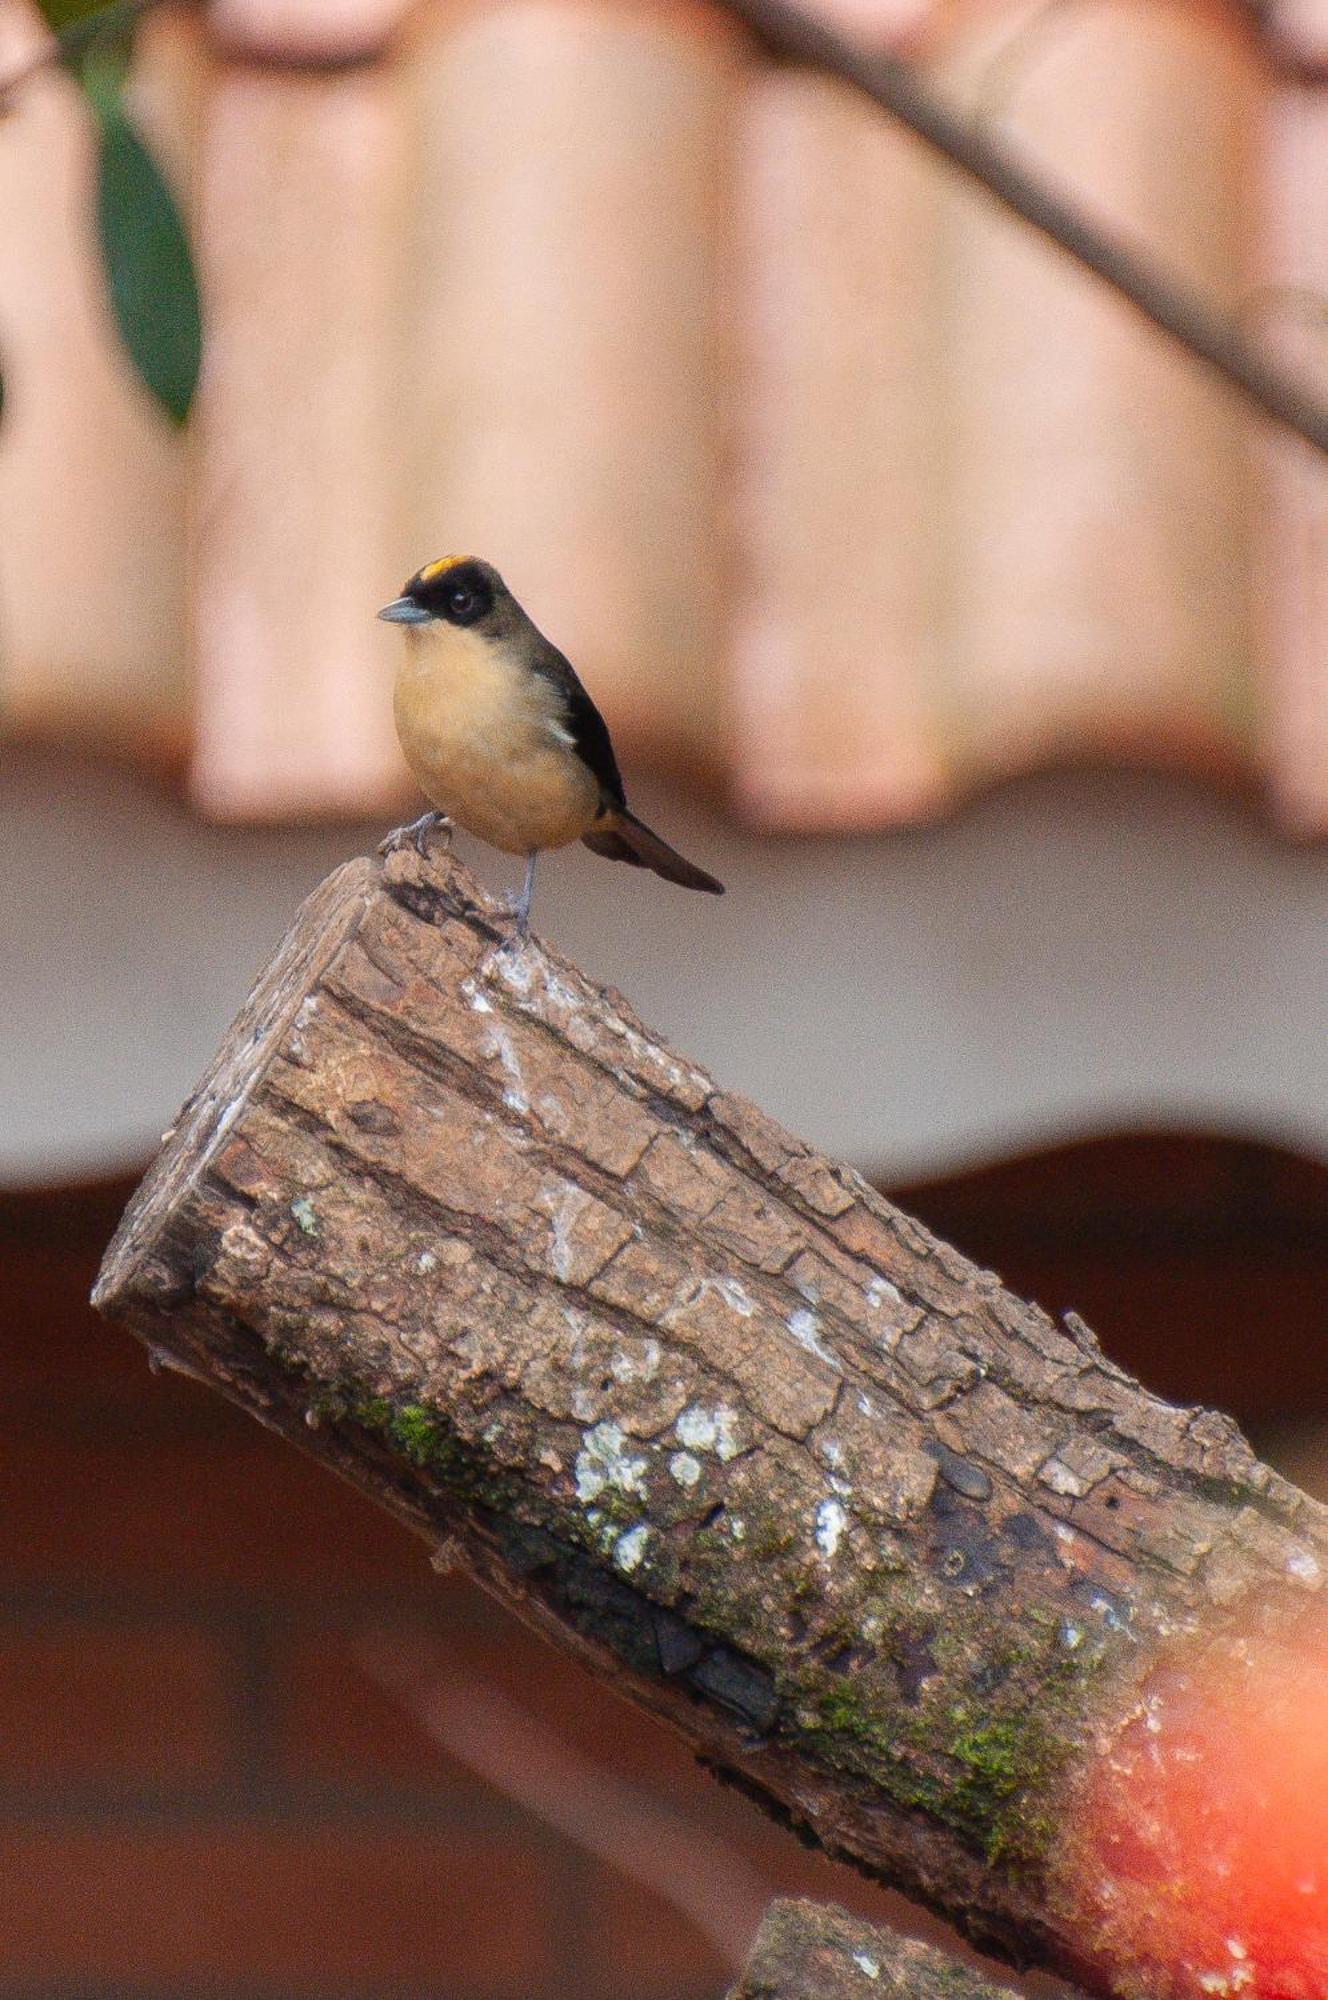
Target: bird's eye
[(460, 601)]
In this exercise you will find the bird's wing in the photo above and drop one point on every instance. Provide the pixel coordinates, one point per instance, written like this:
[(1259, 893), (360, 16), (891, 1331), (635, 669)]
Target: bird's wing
[(585, 725)]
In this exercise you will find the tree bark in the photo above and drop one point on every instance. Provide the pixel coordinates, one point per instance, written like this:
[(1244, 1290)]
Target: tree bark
[(814, 1951), (897, 1554)]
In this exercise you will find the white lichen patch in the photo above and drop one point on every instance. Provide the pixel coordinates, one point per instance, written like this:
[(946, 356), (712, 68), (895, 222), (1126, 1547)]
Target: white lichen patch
[(726, 1433), (805, 1327), (896, 1317), (225, 1118), (426, 1261), (244, 1249), (866, 1963), (733, 1294), (583, 1019), (699, 1429), (831, 1521), (641, 1365), (499, 1044), (737, 1527), (563, 1204), (1241, 1976), (696, 1428), (605, 1460), (302, 1209), (1237, 1980), (295, 1039), (1059, 1477), (629, 1549), (516, 971), (1304, 1568), (685, 1469)]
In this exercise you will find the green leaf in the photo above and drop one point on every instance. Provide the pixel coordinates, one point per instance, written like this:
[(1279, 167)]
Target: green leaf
[(62, 14), (145, 252)]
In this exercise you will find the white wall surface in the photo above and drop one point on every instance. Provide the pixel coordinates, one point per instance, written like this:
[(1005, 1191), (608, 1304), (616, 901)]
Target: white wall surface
[(1074, 955)]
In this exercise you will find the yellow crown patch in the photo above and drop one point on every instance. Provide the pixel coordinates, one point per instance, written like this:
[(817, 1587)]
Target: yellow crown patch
[(444, 563)]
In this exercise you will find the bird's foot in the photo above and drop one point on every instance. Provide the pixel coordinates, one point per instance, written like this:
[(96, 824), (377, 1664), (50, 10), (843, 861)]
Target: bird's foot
[(418, 833), (521, 907), (519, 934)]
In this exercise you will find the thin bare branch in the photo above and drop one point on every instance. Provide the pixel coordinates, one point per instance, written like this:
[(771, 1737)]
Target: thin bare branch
[(1191, 320), (669, 1854)]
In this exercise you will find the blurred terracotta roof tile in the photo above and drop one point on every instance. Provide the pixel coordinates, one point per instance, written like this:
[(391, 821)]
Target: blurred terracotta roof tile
[(1298, 30), (566, 392), (882, 23), (314, 32), (841, 489), (302, 411), (836, 656), (1100, 505), (1293, 598)]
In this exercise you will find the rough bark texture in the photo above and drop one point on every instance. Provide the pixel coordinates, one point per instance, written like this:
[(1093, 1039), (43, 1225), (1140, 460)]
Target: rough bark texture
[(892, 1549), (813, 1951)]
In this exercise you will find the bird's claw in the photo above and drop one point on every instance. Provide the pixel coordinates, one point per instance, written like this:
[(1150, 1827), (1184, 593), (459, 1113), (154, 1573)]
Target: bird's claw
[(418, 834), (518, 921)]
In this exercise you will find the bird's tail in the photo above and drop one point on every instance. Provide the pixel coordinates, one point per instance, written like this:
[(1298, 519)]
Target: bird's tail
[(619, 836)]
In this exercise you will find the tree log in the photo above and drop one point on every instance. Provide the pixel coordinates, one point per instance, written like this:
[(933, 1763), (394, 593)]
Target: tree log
[(814, 1951), (918, 1568)]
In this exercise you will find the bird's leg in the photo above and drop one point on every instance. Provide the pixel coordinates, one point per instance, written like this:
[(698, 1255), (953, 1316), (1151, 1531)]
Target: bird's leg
[(417, 833), (523, 900)]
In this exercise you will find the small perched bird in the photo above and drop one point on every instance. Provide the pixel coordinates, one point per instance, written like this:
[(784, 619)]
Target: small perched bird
[(501, 735)]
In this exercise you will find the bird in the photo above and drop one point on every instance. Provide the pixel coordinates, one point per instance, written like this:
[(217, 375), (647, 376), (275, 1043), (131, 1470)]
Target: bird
[(501, 736)]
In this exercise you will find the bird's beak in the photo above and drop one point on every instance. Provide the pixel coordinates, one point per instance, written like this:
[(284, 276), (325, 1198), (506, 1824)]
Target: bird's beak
[(404, 611)]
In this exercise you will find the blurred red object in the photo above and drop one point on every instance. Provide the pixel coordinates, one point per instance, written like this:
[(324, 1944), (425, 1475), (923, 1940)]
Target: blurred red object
[(1201, 1843)]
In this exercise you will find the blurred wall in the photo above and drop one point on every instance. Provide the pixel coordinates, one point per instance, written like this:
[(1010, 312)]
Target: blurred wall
[(1073, 954), (203, 1793)]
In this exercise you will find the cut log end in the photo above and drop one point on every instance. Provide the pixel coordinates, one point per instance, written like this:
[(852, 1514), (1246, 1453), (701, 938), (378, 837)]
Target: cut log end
[(131, 1269), (324, 924)]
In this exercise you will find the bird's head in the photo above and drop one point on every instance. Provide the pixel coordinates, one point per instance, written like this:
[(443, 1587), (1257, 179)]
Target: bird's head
[(456, 590)]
